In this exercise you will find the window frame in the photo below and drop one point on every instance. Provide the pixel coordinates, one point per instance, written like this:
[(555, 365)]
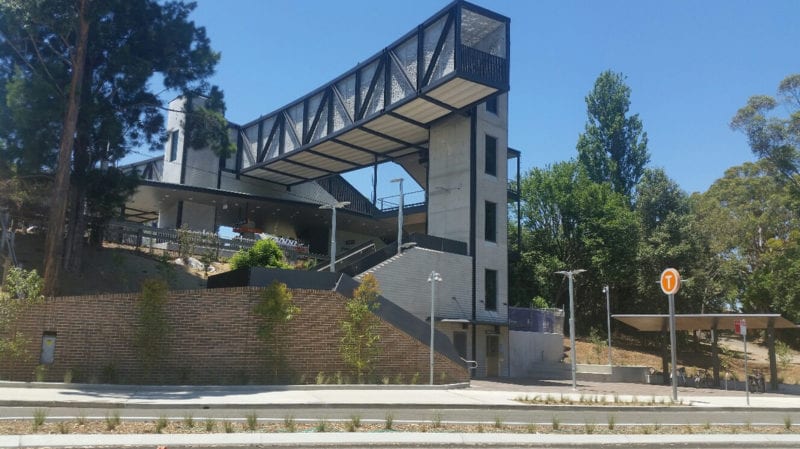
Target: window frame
[(491, 105), (173, 145), (490, 289), (490, 157), (490, 225)]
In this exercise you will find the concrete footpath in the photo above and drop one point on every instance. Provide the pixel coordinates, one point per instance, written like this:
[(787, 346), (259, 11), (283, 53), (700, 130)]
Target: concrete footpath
[(477, 394)]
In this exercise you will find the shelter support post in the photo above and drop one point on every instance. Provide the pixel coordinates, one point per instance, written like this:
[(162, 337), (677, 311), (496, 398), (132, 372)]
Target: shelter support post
[(715, 355)]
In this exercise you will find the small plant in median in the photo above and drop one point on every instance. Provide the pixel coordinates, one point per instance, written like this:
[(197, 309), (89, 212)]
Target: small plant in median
[(113, 420), (252, 421), (289, 424), (188, 421), (161, 423), (39, 417)]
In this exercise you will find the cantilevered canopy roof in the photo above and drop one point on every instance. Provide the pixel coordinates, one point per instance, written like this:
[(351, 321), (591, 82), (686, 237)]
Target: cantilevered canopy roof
[(719, 321), (383, 108)]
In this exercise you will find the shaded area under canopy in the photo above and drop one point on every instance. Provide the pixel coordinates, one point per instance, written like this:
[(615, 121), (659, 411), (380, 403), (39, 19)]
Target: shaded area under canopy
[(704, 321)]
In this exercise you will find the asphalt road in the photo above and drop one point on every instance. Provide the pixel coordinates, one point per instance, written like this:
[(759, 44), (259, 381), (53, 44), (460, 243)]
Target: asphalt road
[(543, 415)]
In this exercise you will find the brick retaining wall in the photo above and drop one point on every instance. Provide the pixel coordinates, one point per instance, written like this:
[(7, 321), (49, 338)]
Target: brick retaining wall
[(212, 341)]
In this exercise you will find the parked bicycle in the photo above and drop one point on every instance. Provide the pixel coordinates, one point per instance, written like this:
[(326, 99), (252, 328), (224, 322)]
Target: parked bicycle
[(681, 373), (703, 378), (755, 382)]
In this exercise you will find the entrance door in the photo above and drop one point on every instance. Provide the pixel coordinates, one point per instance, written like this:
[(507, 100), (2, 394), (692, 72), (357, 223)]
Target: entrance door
[(460, 342), (492, 355)]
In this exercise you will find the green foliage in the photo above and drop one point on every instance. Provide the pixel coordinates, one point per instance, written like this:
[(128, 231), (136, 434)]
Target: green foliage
[(598, 344), (161, 423), (539, 303), (359, 344), (186, 242), (39, 417), (252, 421), (153, 326), (113, 420), (275, 309), (119, 109), (775, 139), (20, 290), (289, 423), (750, 220), (40, 373), (265, 253), (784, 353), (205, 125), (613, 147), (569, 222)]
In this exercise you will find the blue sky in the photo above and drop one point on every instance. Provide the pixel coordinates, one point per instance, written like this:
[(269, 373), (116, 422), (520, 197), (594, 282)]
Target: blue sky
[(690, 65)]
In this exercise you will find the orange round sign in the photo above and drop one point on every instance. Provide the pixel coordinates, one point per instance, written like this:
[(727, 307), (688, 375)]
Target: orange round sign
[(670, 281)]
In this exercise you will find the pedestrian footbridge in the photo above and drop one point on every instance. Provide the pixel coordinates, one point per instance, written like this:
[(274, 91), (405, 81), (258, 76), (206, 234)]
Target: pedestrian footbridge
[(382, 109)]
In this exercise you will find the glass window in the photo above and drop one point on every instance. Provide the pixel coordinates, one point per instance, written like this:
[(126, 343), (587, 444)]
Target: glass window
[(490, 287), (490, 226), (173, 145), (491, 105), (491, 156)]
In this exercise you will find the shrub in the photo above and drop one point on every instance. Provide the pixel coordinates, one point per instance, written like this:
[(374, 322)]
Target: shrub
[(539, 303), (265, 253), (21, 289)]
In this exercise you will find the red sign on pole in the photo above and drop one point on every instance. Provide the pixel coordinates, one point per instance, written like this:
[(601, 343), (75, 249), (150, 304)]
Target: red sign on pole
[(740, 327)]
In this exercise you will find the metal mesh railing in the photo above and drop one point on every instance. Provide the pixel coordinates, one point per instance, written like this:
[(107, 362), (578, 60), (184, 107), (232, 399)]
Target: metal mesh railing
[(549, 321)]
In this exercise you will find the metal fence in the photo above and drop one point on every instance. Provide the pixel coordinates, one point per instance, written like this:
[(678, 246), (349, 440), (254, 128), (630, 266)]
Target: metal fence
[(549, 321), (194, 243)]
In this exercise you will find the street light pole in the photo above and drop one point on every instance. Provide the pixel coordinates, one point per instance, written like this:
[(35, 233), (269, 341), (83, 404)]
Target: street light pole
[(433, 278), (399, 216), (607, 291), (333, 207), (570, 275)]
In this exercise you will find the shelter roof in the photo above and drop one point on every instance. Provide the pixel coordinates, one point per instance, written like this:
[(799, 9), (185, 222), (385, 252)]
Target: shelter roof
[(703, 321)]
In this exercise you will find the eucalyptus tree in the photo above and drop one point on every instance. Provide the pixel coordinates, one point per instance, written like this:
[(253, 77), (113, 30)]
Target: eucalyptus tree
[(771, 137), (752, 219)]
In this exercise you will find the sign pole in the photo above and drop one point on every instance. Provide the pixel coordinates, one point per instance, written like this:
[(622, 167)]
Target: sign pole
[(670, 283), (746, 378), (673, 348)]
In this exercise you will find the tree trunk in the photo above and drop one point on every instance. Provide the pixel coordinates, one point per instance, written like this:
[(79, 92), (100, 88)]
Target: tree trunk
[(76, 231), (54, 242), (773, 365)]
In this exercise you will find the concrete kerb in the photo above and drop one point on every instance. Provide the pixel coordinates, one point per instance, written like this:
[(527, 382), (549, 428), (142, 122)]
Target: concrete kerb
[(434, 440), (234, 388)]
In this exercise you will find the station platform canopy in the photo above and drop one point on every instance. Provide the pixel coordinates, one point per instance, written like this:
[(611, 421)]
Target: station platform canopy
[(382, 109), (705, 321)]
